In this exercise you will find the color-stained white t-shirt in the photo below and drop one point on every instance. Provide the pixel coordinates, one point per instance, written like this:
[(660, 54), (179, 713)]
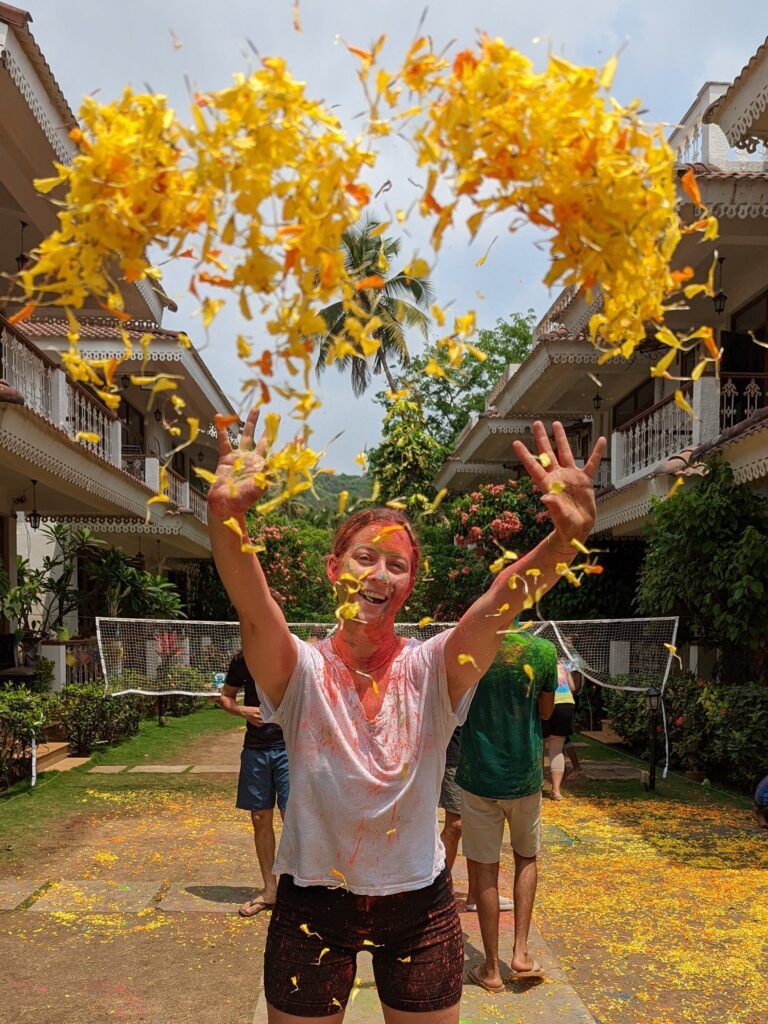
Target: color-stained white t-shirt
[(363, 796)]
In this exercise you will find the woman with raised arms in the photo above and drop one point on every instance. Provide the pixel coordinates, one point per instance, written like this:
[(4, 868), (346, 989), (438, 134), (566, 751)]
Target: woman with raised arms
[(367, 716)]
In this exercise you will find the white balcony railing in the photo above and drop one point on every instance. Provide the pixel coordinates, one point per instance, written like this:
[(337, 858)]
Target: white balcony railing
[(741, 395), (178, 489), (650, 437), (199, 504), (48, 391), (86, 416), (29, 372)]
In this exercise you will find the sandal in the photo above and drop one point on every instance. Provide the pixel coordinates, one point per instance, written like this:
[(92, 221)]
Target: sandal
[(505, 903), (477, 979), (536, 971), (251, 908)]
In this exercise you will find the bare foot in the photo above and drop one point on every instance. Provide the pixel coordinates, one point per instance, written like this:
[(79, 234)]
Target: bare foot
[(489, 980)]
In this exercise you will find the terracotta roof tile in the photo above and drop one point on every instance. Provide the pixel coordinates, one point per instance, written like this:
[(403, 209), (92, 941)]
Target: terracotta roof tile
[(93, 328)]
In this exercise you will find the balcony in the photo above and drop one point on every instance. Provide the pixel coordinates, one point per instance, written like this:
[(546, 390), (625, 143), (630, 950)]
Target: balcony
[(48, 391), (650, 437), (741, 395)]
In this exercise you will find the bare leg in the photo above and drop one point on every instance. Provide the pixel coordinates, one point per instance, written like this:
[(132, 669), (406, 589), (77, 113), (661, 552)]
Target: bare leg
[(556, 763), (279, 1017), (526, 876), (575, 762), (450, 836), (448, 1016), (484, 884), (264, 840)]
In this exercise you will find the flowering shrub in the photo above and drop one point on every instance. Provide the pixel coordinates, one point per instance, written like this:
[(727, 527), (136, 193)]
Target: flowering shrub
[(293, 563), (713, 727), (458, 552)]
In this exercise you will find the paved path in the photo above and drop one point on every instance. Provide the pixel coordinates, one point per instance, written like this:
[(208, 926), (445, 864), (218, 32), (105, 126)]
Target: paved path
[(551, 999)]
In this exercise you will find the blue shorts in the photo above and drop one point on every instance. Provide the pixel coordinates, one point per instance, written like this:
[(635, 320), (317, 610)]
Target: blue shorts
[(263, 776)]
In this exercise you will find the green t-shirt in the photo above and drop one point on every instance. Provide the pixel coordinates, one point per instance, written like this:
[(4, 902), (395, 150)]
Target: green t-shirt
[(500, 756)]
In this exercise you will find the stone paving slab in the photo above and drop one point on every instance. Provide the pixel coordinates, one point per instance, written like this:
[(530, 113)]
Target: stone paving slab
[(160, 769), (618, 771), (207, 897), (218, 769), (107, 769), (88, 896), (552, 998), (14, 892)]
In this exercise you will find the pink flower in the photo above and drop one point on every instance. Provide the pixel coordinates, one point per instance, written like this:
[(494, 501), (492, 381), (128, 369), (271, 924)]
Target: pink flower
[(679, 720), (452, 574), (466, 570)]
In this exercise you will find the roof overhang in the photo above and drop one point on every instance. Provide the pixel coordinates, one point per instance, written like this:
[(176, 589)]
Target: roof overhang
[(742, 111)]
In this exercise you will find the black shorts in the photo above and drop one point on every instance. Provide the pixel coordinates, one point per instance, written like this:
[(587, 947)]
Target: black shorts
[(414, 937), (561, 721)]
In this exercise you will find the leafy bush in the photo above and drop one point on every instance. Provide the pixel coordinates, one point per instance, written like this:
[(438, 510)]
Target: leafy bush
[(294, 566), (459, 550), (707, 562), (713, 727), (177, 705), (88, 714), (23, 718)]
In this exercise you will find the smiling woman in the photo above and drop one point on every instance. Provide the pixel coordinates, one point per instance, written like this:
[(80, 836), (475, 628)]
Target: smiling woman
[(367, 717)]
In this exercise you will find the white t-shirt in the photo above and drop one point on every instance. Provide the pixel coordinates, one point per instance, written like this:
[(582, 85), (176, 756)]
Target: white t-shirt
[(363, 794)]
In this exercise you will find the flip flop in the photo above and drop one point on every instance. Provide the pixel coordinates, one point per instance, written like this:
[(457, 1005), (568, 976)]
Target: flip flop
[(254, 907), (505, 903), (476, 979), (537, 971)]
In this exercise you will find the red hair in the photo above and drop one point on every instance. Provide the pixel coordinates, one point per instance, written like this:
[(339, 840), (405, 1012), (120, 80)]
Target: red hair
[(378, 515)]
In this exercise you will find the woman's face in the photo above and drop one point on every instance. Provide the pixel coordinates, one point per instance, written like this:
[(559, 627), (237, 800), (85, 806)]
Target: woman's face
[(382, 558)]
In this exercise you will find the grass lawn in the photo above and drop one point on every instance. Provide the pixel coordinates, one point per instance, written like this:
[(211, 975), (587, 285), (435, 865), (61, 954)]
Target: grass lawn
[(27, 814)]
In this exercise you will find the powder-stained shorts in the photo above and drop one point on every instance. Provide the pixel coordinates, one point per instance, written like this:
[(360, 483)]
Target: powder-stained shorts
[(482, 826), (450, 794), (414, 937)]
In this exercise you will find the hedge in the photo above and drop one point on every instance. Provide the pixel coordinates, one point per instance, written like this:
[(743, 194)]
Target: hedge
[(715, 728)]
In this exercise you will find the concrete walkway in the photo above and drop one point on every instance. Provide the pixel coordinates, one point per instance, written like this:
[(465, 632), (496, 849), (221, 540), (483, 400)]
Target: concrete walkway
[(550, 999)]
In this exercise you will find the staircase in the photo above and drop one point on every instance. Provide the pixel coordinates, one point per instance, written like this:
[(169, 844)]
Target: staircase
[(50, 754), (605, 734)]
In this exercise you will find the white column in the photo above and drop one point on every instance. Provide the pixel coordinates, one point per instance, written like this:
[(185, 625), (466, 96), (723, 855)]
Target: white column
[(706, 410), (57, 653), (60, 399), (152, 473), (185, 494), (617, 457), (116, 442)]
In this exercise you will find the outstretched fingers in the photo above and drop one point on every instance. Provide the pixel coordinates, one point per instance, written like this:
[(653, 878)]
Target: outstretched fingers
[(246, 439), (593, 462), (532, 466), (564, 453)]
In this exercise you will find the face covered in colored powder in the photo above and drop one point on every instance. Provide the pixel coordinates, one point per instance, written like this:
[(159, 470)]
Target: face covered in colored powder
[(382, 557)]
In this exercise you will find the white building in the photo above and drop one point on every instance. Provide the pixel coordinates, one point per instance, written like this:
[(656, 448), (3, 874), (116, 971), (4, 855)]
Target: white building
[(722, 137), (106, 485)]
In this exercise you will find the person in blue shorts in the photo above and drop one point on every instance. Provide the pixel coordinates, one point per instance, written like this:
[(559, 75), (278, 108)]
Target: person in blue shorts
[(761, 803), (263, 776)]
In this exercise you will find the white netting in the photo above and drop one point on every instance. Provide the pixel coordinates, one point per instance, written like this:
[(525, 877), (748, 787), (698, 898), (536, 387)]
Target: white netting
[(168, 656), (621, 654), (153, 657)]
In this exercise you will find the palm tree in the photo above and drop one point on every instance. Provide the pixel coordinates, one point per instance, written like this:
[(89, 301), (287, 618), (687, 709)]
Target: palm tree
[(400, 303)]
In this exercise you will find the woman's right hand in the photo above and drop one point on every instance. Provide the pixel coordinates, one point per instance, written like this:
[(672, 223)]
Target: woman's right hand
[(235, 491)]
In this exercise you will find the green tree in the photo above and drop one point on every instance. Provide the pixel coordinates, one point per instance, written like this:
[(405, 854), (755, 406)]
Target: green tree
[(400, 303), (707, 561), (44, 596), (449, 401), (408, 457)]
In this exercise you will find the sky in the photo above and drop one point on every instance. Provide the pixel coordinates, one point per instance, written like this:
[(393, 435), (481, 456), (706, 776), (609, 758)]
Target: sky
[(668, 50)]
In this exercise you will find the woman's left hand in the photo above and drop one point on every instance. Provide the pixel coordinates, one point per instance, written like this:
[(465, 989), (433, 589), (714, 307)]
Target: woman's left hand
[(567, 489)]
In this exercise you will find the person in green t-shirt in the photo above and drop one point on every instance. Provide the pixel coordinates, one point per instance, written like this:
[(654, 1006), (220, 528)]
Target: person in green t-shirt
[(500, 775)]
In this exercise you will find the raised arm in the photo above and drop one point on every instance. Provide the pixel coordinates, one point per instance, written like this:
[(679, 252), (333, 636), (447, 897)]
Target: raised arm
[(568, 492), (267, 643)]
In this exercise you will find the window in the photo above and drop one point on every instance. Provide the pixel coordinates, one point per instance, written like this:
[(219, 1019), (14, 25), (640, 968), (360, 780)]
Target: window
[(633, 404), (133, 428), (740, 353)]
